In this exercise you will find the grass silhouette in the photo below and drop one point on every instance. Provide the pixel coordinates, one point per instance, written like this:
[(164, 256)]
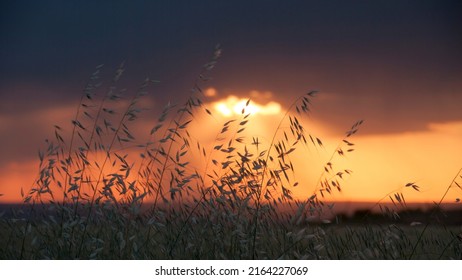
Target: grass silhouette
[(101, 193)]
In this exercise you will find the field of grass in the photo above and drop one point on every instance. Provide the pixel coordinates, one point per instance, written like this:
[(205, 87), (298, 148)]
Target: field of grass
[(92, 200), (217, 235)]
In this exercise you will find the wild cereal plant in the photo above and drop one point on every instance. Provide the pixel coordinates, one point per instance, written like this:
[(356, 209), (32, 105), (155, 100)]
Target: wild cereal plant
[(102, 193)]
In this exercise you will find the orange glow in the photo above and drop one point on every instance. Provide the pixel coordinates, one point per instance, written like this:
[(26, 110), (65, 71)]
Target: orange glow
[(384, 164), (429, 158), (210, 92), (381, 164), (15, 176)]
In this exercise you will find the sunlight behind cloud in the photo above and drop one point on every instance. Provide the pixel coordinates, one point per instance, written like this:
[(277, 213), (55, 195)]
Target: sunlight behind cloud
[(233, 105), (381, 163)]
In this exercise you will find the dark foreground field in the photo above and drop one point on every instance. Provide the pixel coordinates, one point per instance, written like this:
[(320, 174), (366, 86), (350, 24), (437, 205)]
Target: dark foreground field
[(60, 233)]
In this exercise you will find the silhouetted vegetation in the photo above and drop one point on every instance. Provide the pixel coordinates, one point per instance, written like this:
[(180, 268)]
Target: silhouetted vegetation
[(101, 193), (415, 217)]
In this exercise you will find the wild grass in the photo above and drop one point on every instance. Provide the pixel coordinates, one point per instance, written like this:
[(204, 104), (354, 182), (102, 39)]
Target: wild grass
[(101, 193)]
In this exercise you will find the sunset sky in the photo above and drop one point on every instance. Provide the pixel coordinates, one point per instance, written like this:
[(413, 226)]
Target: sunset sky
[(395, 64)]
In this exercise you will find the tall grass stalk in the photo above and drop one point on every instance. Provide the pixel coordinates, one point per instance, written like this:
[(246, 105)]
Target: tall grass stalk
[(437, 208)]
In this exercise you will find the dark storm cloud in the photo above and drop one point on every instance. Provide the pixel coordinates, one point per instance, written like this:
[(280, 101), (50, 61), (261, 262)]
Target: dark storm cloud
[(395, 63), (55, 41)]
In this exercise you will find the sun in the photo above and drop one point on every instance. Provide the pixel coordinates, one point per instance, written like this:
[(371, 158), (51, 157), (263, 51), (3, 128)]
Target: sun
[(232, 105)]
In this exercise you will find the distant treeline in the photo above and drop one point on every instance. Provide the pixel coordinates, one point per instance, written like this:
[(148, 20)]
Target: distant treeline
[(408, 216), (436, 216)]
